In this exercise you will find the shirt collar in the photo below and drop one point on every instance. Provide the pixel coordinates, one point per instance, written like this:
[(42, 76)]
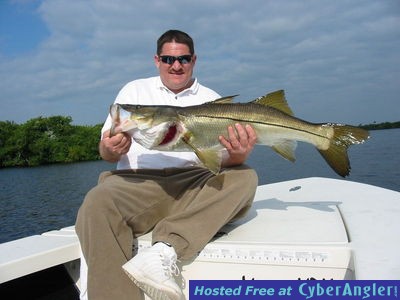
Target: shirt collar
[(190, 90)]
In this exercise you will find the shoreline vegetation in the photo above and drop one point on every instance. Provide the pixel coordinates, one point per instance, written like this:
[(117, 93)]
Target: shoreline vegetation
[(50, 140)]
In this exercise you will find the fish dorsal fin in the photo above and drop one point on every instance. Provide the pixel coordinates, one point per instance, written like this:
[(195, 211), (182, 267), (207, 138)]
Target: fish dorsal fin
[(223, 100), (276, 100)]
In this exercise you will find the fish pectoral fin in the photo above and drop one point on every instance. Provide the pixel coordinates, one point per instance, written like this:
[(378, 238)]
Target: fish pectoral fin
[(210, 158), (286, 149)]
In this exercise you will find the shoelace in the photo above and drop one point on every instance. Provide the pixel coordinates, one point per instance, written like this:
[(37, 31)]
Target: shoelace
[(169, 265)]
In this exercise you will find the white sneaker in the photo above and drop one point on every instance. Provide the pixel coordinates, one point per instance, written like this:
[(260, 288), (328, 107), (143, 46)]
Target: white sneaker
[(153, 269)]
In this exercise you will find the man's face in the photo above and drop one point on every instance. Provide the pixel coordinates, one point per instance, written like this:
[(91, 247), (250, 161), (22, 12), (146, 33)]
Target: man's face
[(178, 75)]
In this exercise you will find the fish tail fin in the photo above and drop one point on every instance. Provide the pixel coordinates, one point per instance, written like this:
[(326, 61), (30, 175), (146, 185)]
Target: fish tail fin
[(343, 137)]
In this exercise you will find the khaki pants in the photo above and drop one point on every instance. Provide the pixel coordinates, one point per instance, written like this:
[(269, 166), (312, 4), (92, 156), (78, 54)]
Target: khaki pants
[(184, 207)]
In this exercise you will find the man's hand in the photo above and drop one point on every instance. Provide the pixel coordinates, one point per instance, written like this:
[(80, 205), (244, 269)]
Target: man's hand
[(240, 143), (111, 148)]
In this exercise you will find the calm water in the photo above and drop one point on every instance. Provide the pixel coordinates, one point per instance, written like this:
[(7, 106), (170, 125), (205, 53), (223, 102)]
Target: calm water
[(34, 200)]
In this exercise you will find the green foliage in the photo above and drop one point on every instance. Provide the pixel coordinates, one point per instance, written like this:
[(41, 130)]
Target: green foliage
[(377, 126), (47, 140)]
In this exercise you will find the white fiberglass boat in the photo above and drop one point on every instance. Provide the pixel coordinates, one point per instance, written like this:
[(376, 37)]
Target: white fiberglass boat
[(312, 228)]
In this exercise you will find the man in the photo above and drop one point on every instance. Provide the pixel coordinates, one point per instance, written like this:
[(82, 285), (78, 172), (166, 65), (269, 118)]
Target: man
[(167, 192)]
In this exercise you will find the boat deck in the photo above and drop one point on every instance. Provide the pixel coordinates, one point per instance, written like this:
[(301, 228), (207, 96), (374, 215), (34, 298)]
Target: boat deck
[(34, 253), (306, 228)]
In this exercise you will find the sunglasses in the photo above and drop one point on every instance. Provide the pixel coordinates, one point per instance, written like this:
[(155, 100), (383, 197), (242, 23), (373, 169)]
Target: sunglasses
[(168, 59)]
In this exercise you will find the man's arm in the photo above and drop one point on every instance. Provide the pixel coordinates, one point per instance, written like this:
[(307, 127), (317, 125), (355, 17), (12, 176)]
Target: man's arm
[(240, 143), (111, 148)]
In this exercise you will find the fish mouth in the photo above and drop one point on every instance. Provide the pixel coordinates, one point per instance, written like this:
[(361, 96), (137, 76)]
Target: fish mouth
[(125, 126), (170, 135)]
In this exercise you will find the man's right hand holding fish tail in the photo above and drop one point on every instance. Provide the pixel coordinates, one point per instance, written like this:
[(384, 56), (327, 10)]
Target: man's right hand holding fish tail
[(111, 148)]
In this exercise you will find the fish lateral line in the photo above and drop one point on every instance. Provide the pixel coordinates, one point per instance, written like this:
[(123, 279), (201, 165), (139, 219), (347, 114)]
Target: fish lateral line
[(249, 122)]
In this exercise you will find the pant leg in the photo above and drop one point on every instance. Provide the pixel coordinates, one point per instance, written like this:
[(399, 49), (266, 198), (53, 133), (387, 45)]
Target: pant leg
[(192, 205), (106, 233), (203, 204)]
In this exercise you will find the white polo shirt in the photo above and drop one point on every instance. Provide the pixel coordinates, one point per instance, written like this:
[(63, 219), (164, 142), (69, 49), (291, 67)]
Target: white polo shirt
[(151, 91)]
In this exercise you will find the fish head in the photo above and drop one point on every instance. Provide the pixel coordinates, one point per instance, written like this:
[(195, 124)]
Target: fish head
[(120, 119), (128, 117), (153, 127)]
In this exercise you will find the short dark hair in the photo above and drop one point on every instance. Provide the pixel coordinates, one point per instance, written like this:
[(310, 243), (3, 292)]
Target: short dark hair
[(176, 36)]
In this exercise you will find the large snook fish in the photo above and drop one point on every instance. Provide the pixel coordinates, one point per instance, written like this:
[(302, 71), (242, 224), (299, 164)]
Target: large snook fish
[(196, 128)]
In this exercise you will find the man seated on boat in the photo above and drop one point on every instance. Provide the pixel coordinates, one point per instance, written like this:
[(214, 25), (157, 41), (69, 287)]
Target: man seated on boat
[(183, 204)]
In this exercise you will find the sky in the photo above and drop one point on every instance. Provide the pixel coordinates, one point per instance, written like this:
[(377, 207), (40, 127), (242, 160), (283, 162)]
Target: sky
[(338, 61)]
